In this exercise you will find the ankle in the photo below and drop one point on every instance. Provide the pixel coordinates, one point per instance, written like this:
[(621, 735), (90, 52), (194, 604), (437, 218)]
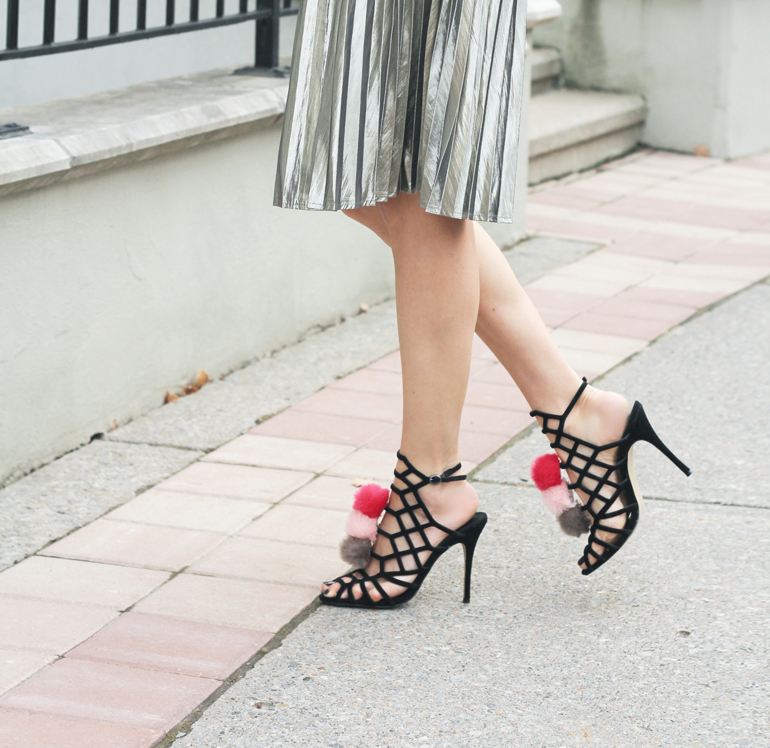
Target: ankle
[(452, 503), (429, 463), (600, 413)]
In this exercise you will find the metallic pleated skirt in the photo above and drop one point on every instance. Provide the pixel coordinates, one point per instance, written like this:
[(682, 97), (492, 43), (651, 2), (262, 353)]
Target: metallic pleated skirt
[(404, 95)]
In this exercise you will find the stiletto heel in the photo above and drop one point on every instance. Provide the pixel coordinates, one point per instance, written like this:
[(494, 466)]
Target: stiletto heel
[(409, 543), (641, 430), (589, 467), (469, 548)]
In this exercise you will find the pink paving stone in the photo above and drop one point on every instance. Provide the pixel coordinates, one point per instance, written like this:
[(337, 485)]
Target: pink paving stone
[(724, 217), (279, 452), (639, 206), (732, 254), (371, 380), (16, 665), (135, 544), (569, 300), (29, 730), (594, 231), (660, 246), (190, 511), (494, 421), (272, 561), (672, 296), (84, 582), (48, 627), (555, 317), (354, 404), (391, 362), (682, 162), (646, 329), (624, 305), (115, 694), (577, 189), (300, 524), (366, 463), (755, 163), (388, 441), (172, 645), (563, 198), (491, 395), (243, 603), (322, 427), (326, 492), (476, 446), (236, 481)]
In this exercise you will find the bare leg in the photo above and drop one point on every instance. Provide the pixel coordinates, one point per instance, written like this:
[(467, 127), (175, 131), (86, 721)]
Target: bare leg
[(510, 325), (512, 328), (437, 299)]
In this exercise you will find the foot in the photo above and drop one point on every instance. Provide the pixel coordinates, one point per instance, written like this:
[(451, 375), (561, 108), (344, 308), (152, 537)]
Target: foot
[(450, 504), (598, 417)]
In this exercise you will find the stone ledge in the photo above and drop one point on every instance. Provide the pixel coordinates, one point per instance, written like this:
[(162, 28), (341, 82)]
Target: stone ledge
[(542, 11), (564, 118), (78, 136)]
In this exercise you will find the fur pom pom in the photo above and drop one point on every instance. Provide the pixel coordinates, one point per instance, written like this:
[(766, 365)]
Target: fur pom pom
[(574, 522), (359, 525), (356, 551), (371, 499), (558, 499), (546, 471)]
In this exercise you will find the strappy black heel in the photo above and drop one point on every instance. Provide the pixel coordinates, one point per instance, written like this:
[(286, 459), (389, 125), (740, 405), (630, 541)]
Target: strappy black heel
[(412, 532), (588, 466)]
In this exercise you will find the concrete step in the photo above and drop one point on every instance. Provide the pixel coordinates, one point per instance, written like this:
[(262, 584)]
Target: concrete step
[(571, 130), (546, 69)]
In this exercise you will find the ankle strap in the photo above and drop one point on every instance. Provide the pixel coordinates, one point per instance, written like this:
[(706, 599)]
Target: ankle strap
[(572, 404), (446, 477)]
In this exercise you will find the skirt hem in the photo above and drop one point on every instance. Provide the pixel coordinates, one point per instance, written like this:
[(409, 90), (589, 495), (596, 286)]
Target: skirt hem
[(352, 205)]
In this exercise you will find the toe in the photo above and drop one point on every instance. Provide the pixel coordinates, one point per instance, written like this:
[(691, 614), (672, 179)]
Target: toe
[(330, 589)]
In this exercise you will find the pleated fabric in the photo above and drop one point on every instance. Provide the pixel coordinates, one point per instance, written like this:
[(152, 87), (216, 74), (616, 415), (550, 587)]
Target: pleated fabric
[(404, 95)]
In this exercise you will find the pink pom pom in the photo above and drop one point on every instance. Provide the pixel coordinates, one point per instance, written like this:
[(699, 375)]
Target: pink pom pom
[(359, 525), (558, 498), (546, 471), (371, 500)]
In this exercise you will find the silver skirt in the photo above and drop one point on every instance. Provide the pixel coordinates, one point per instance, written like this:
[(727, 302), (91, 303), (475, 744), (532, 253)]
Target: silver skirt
[(404, 95)]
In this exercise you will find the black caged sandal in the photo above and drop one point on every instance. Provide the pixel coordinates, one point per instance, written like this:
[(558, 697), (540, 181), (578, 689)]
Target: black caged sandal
[(408, 543), (588, 466)]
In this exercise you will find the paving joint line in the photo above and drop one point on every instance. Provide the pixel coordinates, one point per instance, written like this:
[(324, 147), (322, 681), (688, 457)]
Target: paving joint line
[(183, 728)]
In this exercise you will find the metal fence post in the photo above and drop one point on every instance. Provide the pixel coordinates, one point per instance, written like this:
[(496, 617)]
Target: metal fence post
[(268, 35)]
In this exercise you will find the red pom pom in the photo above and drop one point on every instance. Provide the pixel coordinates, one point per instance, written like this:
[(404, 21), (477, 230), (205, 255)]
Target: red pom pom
[(546, 471), (371, 500)]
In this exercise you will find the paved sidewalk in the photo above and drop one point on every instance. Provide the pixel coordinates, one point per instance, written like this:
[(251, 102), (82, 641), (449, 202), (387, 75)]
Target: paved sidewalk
[(114, 633)]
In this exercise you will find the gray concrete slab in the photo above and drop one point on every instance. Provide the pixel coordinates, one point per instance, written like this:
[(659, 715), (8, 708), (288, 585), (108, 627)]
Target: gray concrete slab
[(76, 489), (706, 389), (665, 647)]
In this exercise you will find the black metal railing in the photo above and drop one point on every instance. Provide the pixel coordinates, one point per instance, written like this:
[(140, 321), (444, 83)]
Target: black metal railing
[(265, 13)]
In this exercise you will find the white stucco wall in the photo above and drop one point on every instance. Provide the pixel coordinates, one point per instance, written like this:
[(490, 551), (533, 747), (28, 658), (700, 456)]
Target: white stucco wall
[(117, 286), (702, 65), (37, 79)]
